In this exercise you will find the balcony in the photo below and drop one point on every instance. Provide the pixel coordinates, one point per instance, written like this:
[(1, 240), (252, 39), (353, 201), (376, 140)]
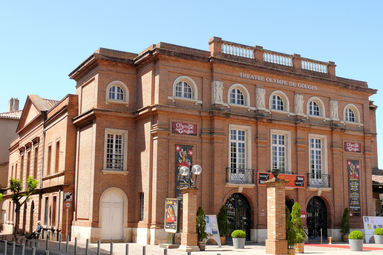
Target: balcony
[(318, 180), (239, 176)]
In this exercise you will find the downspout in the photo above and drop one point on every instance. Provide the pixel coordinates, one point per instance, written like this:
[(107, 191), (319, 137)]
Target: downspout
[(59, 210), (42, 165)]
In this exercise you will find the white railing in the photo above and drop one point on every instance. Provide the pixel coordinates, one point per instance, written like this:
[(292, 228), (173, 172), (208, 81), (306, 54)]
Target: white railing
[(278, 59), (314, 66), (237, 50)]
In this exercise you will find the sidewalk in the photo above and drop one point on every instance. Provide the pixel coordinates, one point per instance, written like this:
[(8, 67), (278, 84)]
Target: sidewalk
[(250, 248)]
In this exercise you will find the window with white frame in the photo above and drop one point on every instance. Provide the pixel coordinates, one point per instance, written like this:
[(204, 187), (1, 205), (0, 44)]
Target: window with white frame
[(117, 92), (280, 150), (318, 158), (115, 155), (237, 97), (314, 109), (278, 101), (184, 90), (238, 149), (351, 113)]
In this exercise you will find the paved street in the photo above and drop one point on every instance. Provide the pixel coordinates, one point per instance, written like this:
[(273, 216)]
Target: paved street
[(137, 249)]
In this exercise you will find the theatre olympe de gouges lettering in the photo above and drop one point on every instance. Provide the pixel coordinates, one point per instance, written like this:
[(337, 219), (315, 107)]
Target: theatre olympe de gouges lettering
[(117, 144)]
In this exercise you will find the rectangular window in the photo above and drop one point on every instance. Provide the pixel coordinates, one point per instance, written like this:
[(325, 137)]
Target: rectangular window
[(237, 150), (54, 211), (28, 166), (57, 160), (21, 167), (316, 158), (12, 172), (9, 211), (15, 172), (142, 206), (46, 211), (279, 152), (115, 157), (49, 160), (35, 162)]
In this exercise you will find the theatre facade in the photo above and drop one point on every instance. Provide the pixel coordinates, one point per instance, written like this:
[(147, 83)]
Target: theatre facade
[(236, 110)]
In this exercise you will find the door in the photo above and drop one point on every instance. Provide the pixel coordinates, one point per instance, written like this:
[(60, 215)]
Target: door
[(238, 214), (317, 219), (112, 216)]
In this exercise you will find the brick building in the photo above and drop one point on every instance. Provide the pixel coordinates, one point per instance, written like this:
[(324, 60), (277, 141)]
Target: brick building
[(236, 110)]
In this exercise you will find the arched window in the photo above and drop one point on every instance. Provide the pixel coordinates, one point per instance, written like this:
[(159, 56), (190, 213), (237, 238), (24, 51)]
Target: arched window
[(238, 95), (279, 102), (117, 92), (184, 87), (315, 107), (351, 114), (184, 90)]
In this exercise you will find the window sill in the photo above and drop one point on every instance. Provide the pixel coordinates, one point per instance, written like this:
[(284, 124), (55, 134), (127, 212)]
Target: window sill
[(318, 189), (250, 185), (117, 172), (110, 101), (282, 112), (352, 123), (249, 108), (184, 99), (53, 175)]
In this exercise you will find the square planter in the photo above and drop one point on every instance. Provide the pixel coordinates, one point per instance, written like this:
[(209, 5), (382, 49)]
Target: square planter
[(378, 239), (239, 243), (356, 244)]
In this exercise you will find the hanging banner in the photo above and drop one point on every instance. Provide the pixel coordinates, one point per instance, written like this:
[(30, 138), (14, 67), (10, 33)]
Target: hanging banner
[(212, 228), (184, 157), (296, 181), (370, 224), (171, 215), (353, 187)]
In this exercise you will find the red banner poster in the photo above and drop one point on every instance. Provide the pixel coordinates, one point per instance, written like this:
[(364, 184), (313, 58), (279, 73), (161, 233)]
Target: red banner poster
[(352, 147), (184, 128), (184, 157), (296, 181), (354, 186)]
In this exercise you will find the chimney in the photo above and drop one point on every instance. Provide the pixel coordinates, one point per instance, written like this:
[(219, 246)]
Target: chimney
[(13, 105)]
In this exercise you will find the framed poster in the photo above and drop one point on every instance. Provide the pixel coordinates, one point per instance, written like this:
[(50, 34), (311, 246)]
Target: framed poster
[(171, 215), (184, 157), (353, 187), (182, 128), (352, 147), (212, 228)]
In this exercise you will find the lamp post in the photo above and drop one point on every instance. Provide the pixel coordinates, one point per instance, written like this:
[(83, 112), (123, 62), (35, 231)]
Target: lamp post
[(189, 238)]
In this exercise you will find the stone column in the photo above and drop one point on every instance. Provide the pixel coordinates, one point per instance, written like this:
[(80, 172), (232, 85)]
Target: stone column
[(189, 238), (276, 242)]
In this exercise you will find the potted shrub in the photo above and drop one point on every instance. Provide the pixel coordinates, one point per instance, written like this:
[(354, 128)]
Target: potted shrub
[(300, 233), (291, 233), (378, 235), (201, 227), (355, 239), (222, 224), (345, 224), (239, 238)]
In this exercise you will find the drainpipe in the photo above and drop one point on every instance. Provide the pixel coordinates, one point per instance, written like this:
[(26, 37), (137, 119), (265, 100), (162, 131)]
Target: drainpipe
[(59, 210), (42, 161)]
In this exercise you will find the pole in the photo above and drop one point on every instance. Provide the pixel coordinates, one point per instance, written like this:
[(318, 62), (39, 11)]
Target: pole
[(22, 249), (111, 248), (5, 247), (86, 246), (75, 246), (60, 237), (127, 249), (98, 247), (321, 236), (33, 250), (66, 244), (66, 223), (13, 248)]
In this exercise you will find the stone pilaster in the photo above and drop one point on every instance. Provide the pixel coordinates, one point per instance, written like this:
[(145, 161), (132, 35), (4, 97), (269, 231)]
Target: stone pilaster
[(276, 242)]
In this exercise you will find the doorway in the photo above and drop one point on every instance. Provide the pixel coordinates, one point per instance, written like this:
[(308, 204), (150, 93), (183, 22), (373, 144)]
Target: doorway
[(317, 219), (112, 216), (238, 214)]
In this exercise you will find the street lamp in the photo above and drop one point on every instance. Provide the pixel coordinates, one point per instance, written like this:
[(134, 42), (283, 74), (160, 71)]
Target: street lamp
[(188, 173)]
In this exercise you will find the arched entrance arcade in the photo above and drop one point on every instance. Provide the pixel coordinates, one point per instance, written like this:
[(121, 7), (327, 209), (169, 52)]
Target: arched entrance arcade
[(316, 219), (238, 213)]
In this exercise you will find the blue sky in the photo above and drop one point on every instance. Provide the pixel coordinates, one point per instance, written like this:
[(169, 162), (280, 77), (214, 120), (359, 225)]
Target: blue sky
[(41, 42)]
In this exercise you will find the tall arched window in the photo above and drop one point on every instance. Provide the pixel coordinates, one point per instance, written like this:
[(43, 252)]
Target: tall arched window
[(278, 101), (351, 113), (117, 92), (184, 90), (314, 108)]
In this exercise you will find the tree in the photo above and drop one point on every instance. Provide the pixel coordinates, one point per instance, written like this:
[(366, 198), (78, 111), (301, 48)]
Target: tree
[(222, 221), (296, 220), (345, 224), (201, 224), (291, 232), (20, 197)]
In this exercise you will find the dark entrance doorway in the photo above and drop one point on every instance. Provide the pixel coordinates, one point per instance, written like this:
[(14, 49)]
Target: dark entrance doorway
[(238, 214), (316, 219)]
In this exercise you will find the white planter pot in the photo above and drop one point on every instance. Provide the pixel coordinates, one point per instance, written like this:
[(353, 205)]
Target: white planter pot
[(356, 244), (239, 243), (378, 239)]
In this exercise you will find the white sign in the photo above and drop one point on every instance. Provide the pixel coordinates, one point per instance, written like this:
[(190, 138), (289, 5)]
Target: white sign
[(278, 81), (212, 228), (370, 224)]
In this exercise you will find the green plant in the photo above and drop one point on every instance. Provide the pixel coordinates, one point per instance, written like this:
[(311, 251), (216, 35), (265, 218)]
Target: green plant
[(20, 197), (1, 197), (356, 234), (378, 231), (238, 234), (222, 221), (201, 224), (296, 220), (291, 232), (345, 224)]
